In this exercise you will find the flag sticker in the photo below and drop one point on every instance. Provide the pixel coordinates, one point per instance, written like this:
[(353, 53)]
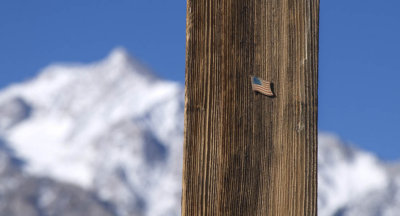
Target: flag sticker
[(261, 86)]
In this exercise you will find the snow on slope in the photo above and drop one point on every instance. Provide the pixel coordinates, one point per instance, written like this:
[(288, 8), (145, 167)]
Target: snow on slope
[(352, 182), (113, 128), (23, 195), (345, 174)]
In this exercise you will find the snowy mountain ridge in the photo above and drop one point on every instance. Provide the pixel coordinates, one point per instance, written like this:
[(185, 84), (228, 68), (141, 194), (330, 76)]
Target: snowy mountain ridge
[(115, 130), (345, 175)]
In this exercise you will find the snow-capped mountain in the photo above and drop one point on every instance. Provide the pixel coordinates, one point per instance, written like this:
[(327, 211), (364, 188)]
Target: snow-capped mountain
[(110, 127), (106, 139)]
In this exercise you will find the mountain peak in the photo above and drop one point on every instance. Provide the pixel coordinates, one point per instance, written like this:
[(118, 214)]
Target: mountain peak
[(119, 55), (122, 62)]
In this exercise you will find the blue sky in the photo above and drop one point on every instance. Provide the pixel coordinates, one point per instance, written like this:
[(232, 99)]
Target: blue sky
[(359, 53), (36, 33)]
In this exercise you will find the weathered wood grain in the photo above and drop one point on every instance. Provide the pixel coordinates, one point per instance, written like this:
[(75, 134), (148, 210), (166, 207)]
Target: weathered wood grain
[(244, 153)]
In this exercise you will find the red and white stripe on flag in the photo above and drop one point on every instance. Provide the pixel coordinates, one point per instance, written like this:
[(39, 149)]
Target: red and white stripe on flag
[(261, 86)]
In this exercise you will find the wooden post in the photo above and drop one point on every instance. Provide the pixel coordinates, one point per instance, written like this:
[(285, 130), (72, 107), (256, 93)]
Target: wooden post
[(248, 154)]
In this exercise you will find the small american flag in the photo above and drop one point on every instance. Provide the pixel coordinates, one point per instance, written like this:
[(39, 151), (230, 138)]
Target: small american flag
[(261, 86)]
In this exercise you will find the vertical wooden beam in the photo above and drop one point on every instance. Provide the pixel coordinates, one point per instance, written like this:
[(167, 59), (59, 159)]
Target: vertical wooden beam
[(247, 154)]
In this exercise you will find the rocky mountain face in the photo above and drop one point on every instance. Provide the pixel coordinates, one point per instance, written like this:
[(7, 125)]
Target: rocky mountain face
[(106, 139)]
